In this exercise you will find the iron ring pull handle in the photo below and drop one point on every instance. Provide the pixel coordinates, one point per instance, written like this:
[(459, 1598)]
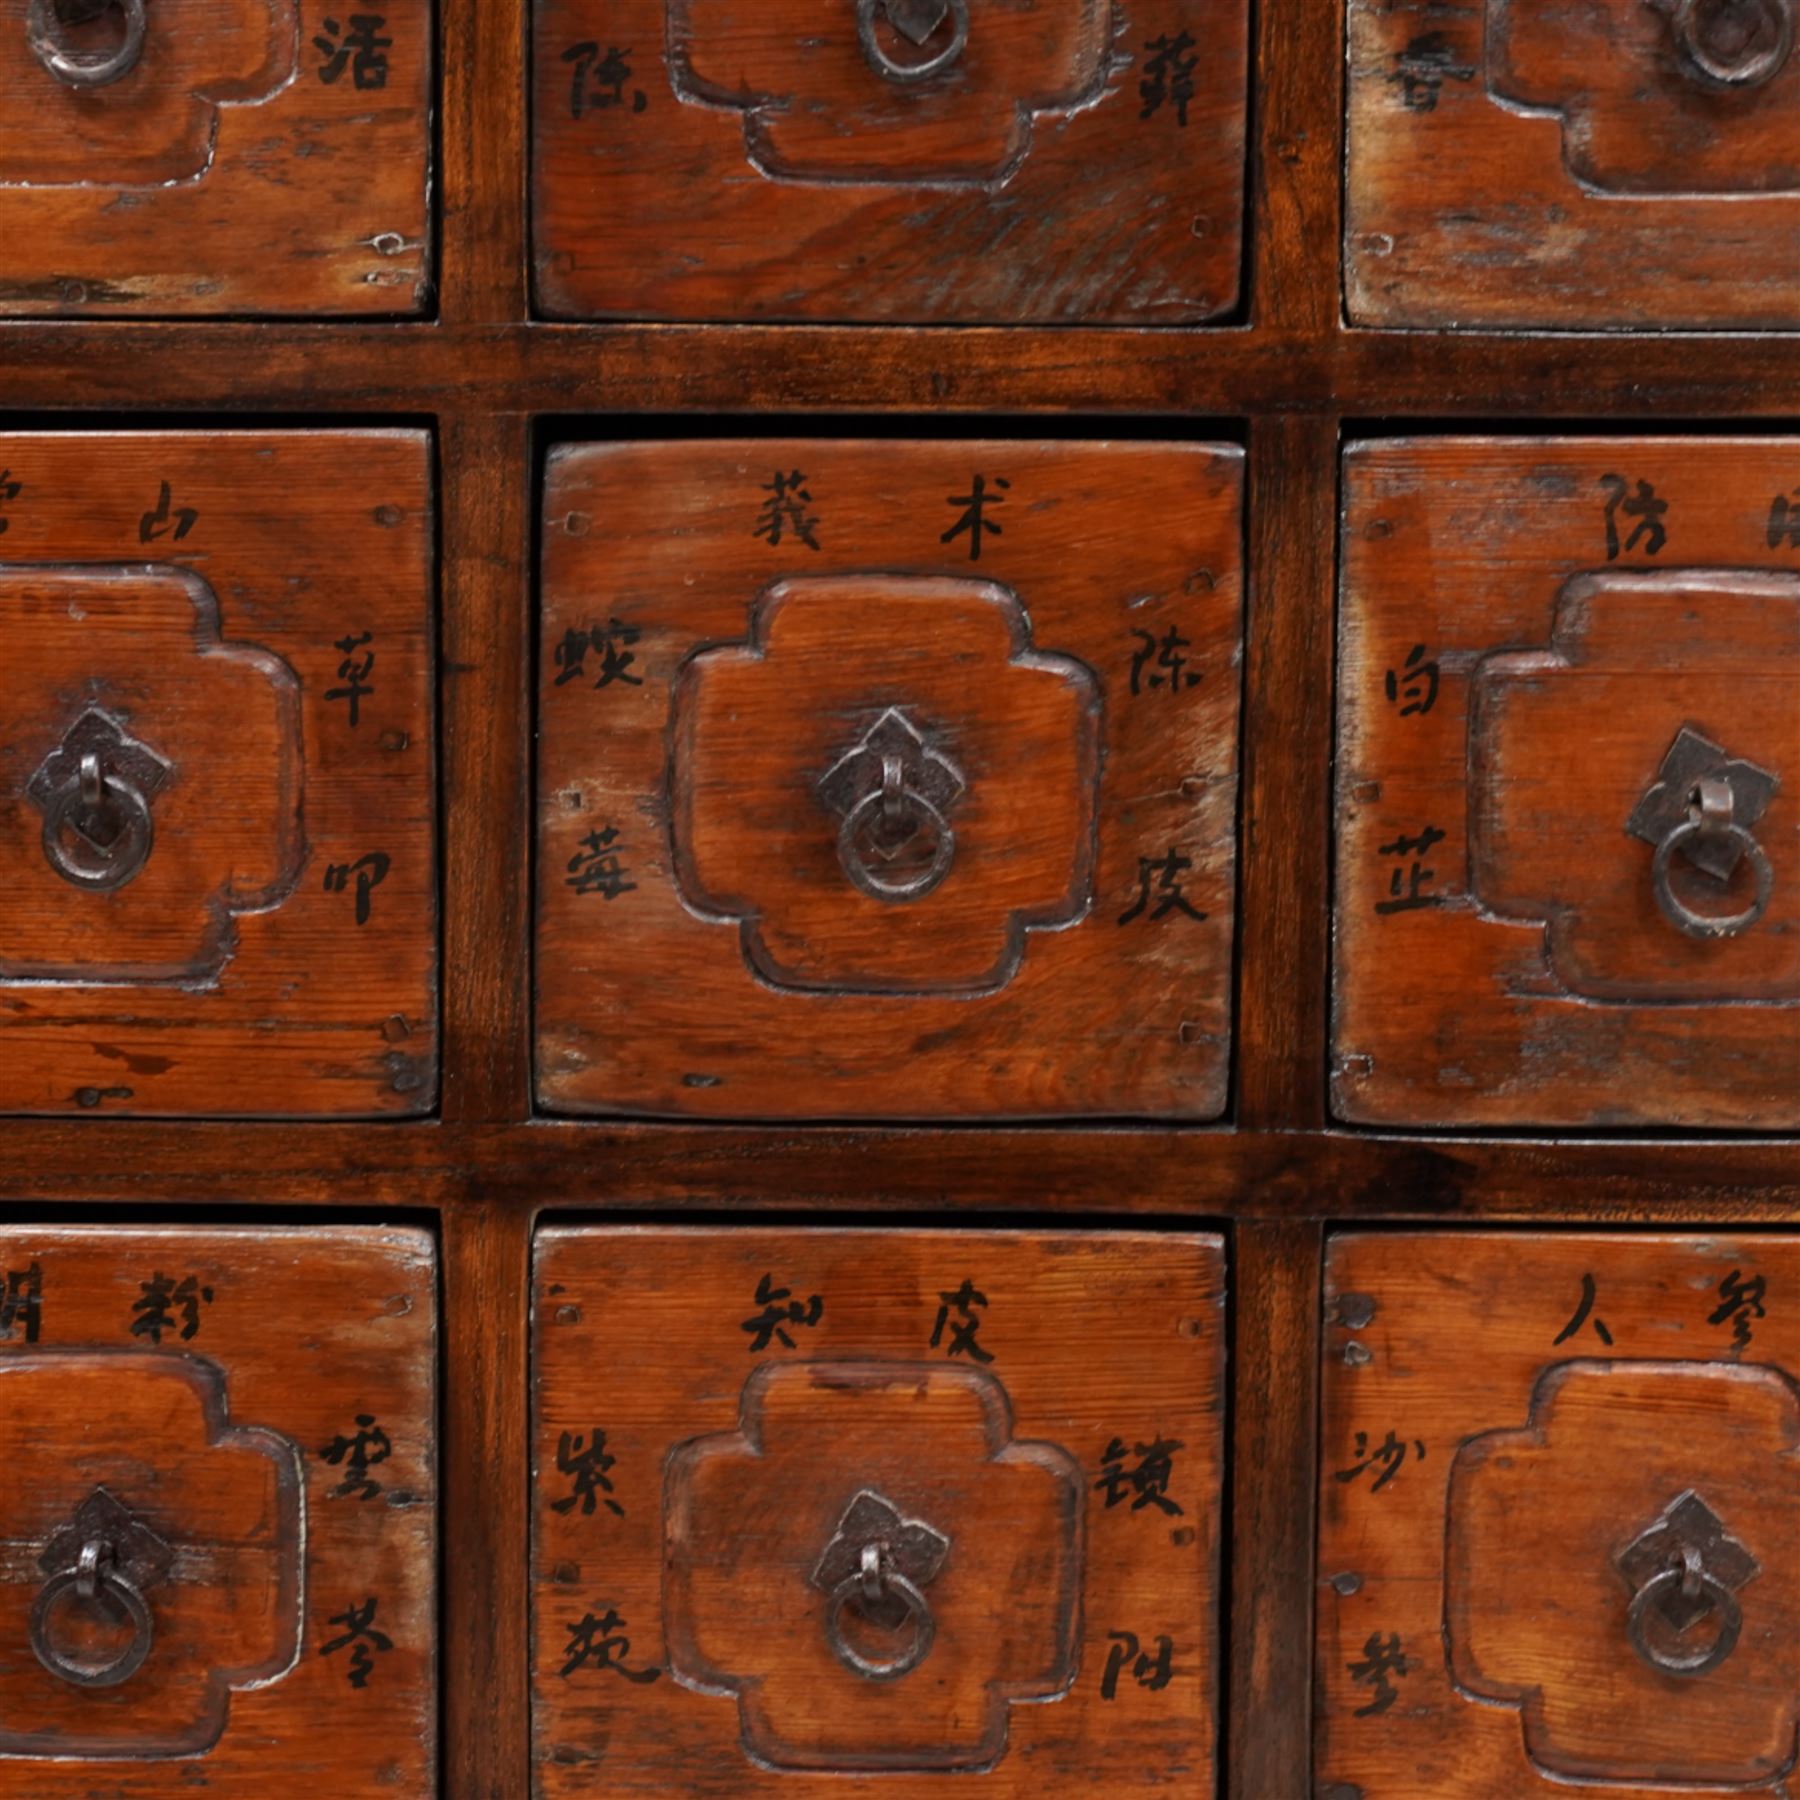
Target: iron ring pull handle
[(898, 801), (1693, 1580), (889, 67), (74, 853), (1709, 815), (44, 28), (95, 1576), (1720, 50), (876, 1579)]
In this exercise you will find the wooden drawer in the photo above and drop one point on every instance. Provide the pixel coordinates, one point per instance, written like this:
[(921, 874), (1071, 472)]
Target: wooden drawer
[(1547, 648), (889, 161), (888, 779), (234, 1429), (1012, 1438), (216, 781), (215, 156), (1560, 1493), (1630, 165)]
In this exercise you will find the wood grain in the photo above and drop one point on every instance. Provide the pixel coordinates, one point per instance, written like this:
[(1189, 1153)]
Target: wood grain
[(1504, 1417), (228, 975), (1074, 164), (736, 1458), (226, 1416), (1531, 977)]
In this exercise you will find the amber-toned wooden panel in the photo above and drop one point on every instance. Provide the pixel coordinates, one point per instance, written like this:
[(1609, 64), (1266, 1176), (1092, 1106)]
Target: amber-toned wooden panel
[(232, 634), (239, 1426), (1512, 163), (1559, 1493), (1055, 161), (891, 779), (249, 156), (1014, 1436), (1545, 646)]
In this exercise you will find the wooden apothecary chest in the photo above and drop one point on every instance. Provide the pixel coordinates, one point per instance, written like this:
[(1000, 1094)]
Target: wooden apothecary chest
[(942, 853)]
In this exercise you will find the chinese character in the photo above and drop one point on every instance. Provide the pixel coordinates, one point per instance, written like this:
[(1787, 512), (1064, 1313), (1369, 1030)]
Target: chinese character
[(158, 1296), (1167, 651), (370, 872), (780, 1310), (1416, 684), (153, 524), (1740, 1301), (1582, 1313), (963, 1329), (974, 519), (1415, 847), (370, 70), (1423, 67), (785, 510), (9, 490), (359, 1625), (355, 671), (1784, 521), (358, 1455), (1154, 1673), (598, 868), (588, 1464), (1149, 1481), (1381, 1658), (22, 1302), (609, 1652), (1168, 75), (1642, 506), (1169, 896), (606, 641), (1391, 1454), (610, 73)]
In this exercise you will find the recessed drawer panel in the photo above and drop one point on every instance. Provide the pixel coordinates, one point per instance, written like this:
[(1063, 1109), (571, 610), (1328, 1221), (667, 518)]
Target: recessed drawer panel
[(1518, 163), (889, 161), (1569, 783), (216, 773), (217, 1531), (215, 156), (1560, 1537), (936, 1507), (888, 779)]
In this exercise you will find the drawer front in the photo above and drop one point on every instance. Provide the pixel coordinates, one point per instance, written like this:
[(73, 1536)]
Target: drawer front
[(889, 161), (1569, 783), (1559, 1495), (941, 1507), (888, 779), (1513, 163), (217, 1531), (216, 773), (215, 156)]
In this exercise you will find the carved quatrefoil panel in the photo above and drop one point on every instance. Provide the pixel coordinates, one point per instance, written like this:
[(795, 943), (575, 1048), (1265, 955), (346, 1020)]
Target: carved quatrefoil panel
[(1664, 97), (150, 1432), (816, 107), (1545, 1556), (751, 1519), (937, 677), (157, 123), (133, 658)]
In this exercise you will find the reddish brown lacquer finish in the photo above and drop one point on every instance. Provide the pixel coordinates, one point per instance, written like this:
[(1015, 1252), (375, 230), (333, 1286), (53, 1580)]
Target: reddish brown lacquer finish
[(1637, 165), (736, 689), (244, 1422), (236, 628), (1026, 1427), (257, 156), (1559, 1484), (889, 161), (1532, 633)]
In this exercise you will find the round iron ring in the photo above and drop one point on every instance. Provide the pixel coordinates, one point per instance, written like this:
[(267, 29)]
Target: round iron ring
[(93, 1578), (1710, 925)]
